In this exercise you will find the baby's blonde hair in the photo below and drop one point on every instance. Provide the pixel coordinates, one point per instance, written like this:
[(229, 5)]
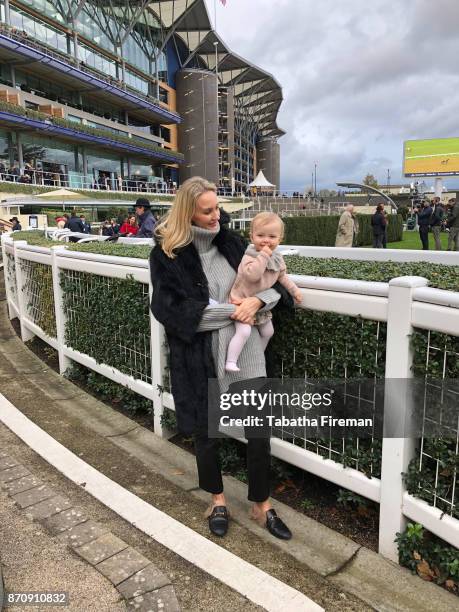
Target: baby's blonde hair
[(267, 217)]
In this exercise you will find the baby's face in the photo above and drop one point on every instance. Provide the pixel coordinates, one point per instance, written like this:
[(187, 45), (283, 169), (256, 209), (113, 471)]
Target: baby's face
[(266, 234)]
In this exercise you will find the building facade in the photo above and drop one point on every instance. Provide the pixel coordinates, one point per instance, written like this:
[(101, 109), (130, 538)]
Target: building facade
[(119, 94)]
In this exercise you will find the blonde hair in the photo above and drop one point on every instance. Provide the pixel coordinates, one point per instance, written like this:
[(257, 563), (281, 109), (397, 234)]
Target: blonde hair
[(174, 230), (267, 217)]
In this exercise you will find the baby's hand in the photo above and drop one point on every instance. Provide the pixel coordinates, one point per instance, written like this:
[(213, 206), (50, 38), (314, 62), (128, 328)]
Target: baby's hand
[(267, 250), (236, 301), (298, 297)]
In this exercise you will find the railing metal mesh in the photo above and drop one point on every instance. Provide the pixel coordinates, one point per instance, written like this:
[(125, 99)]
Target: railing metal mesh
[(434, 473), (38, 295), (10, 273), (311, 354), (99, 312)]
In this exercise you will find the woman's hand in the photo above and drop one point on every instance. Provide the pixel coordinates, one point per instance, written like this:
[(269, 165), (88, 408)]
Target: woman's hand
[(247, 309)]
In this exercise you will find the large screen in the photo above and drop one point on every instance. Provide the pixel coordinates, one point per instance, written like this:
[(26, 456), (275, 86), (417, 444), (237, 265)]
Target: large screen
[(438, 157)]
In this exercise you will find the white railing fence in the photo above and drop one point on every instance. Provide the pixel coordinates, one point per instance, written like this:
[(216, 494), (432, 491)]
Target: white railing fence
[(402, 305)]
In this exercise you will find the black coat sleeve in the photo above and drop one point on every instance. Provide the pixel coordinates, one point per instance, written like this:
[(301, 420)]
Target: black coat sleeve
[(171, 305)]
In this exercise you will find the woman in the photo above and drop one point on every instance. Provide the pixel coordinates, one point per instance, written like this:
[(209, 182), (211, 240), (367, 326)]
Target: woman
[(378, 223), (194, 265), (129, 227)]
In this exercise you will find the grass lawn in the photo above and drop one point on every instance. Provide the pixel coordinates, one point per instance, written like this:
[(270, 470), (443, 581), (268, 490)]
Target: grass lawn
[(411, 240)]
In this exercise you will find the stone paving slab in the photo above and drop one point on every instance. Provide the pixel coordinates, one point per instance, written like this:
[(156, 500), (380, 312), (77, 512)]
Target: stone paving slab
[(122, 565), (83, 533), (133, 574), (33, 496), (13, 473), (64, 520), (56, 388), (148, 579), (157, 601), (7, 462), (12, 346), (23, 363), (48, 508), (22, 484), (100, 549)]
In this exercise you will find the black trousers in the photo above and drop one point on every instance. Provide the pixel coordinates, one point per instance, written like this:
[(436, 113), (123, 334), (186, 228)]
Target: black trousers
[(424, 235), (258, 464), (378, 241)]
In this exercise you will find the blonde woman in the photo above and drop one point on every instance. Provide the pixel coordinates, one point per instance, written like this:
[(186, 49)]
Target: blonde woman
[(193, 267)]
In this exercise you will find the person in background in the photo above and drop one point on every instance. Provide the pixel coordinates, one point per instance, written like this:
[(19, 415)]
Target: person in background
[(453, 225), (60, 221), (107, 229), (436, 221), (129, 227), (86, 225), (74, 224), (424, 221), (115, 226), (378, 224), (386, 225), (347, 228), (146, 219), (17, 227)]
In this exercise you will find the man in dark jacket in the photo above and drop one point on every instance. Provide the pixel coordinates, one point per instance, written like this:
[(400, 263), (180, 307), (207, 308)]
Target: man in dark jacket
[(424, 221), (146, 218), (86, 225), (17, 227), (453, 225), (378, 223), (74, 224), (436, 222)]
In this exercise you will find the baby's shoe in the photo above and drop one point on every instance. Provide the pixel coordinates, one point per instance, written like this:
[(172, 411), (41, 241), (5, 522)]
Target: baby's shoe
[(230, 366)]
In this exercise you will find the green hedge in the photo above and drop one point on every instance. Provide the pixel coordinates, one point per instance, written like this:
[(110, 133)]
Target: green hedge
[(96, 194), (86, 129), (428, 556), (321, 231)]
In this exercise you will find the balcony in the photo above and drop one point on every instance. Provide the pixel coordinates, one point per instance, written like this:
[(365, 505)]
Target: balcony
[(14, 45)]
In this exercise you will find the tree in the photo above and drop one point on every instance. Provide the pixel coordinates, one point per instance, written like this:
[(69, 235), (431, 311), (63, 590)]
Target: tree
[(370, 181)]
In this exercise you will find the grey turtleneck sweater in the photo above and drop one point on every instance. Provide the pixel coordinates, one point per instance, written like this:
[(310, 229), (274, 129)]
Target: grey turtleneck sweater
[(216, 318)]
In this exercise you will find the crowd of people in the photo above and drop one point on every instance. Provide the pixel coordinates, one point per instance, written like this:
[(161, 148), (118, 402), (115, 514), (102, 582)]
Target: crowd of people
[(433, 217), (140, 224)]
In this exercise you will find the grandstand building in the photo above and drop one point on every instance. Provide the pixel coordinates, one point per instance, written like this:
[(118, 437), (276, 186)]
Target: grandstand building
[(116, 93)]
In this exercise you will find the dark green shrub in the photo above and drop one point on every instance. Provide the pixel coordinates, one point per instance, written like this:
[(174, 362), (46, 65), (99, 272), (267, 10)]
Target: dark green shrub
[(321, 231)]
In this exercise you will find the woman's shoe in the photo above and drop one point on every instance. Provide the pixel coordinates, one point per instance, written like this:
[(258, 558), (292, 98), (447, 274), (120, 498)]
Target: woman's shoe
[(218, 520), (273, 524)]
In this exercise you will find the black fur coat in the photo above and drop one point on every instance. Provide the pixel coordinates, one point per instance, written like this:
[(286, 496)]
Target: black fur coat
[(180, 294)]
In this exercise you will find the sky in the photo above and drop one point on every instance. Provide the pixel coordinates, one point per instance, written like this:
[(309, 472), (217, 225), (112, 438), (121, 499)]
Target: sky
[(359, 77)]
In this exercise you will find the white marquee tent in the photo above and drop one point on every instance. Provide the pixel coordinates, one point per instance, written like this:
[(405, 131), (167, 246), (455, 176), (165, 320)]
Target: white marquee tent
[(261, 181)]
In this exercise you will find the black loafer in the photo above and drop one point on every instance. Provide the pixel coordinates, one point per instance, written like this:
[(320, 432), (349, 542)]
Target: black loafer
[(218, 521), (276, 526)]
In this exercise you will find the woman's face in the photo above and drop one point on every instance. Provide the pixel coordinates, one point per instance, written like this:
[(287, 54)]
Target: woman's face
[(207, 213)]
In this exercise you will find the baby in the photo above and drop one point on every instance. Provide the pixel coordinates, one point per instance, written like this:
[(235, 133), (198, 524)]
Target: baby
[(260, 268)]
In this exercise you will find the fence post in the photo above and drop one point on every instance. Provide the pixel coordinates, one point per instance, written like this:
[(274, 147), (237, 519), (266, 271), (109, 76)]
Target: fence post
[(9, 298), (396, 452), (64, 362), (158, 364), (26, 334)]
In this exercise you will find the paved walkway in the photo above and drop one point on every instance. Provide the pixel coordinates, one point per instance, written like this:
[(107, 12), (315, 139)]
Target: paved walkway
[(331, 570)]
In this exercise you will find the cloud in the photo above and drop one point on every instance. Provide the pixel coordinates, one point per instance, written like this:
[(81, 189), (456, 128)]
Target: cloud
[(358, 78)]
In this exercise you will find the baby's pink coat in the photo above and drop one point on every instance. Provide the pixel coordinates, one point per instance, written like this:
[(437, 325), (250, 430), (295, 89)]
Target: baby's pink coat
[(253, 277)]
